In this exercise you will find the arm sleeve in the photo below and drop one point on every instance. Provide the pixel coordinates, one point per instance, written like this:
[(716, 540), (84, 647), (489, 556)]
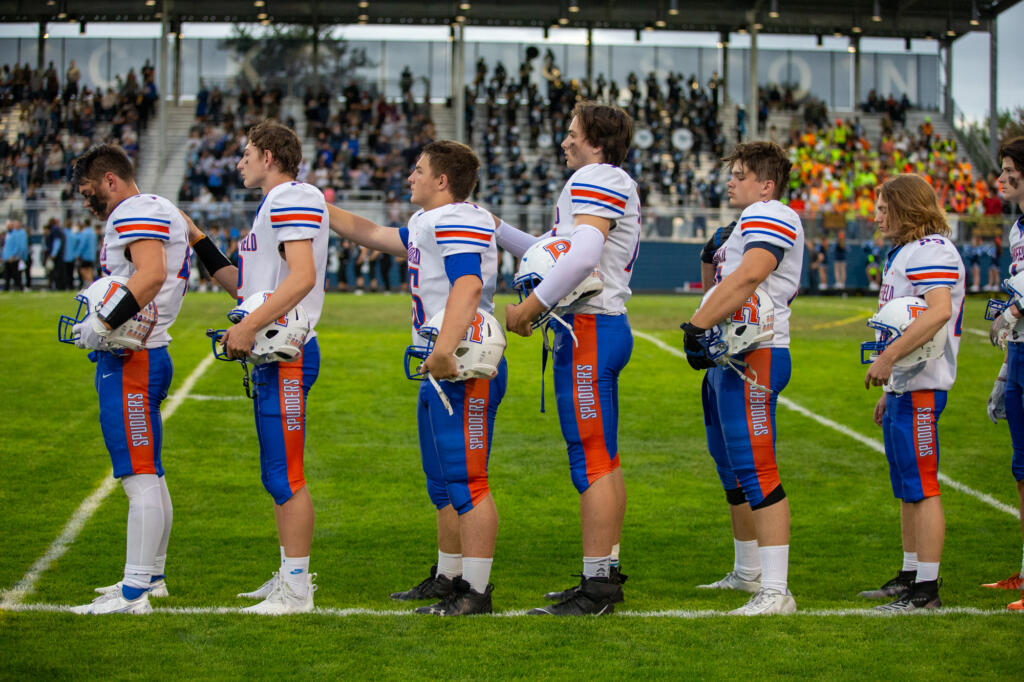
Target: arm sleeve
[(600, 190), (584, 255), (514, 240), (297, 212), (464, 228), (935, 264)]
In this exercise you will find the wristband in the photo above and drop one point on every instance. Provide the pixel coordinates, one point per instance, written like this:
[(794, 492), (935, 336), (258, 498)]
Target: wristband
[(118, 307), (209, 255)]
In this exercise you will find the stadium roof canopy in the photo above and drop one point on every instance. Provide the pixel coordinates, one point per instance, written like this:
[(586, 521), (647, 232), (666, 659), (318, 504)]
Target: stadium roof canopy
[(896, 18)]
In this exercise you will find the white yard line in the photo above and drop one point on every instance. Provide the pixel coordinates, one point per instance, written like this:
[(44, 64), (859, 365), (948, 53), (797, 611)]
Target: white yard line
[(14, 596), (518, 613), (872, 443)]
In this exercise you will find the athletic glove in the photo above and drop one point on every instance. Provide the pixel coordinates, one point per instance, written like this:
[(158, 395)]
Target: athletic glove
[(695, 343), (997, 399), (1001, 327), (88, 336)]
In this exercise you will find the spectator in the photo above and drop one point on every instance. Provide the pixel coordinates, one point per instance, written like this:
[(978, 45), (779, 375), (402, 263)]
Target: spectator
[(15, 257)]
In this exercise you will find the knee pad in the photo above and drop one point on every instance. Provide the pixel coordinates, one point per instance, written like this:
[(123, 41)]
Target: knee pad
[(774, 497), (735, 496)]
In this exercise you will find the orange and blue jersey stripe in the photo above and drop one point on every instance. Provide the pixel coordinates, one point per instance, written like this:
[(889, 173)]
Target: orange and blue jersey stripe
[(582, 193), (768, 226), (296, 216), (143, 228), (932, 275), (473, 235)]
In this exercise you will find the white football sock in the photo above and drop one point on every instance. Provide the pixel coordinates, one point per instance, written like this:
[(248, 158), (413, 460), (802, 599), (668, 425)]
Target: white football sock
[(449, 565), (477, 572), (145, 528), (747, 563), (775, 567), (295, 571), (615, 555), (909, 561), (161, 550), (927, 571), (282, 554), (596, 566)]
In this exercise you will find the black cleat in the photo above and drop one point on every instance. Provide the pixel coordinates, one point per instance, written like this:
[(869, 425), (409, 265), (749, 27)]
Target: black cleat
[(920, 596), (434, 587), (593, 597), (461, 601), (897, 587), (613, 576)]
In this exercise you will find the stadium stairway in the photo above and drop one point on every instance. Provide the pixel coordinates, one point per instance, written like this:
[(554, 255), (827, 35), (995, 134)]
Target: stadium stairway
[(443, 117), (165, 181)]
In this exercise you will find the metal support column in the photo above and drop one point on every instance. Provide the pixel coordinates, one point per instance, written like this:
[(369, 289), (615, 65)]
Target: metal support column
[(41, 46), (163, 100), (177, 66), (948, 98), (993, 89), (459, 83), (752, 95), (857, 71), (590, 56)]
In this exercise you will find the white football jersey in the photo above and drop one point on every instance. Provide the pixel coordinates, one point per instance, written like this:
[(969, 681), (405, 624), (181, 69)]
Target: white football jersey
[(147, 216), (606, 191), (436, 234), (1017, 246), (773, 225), (913, 270), (292, 211)]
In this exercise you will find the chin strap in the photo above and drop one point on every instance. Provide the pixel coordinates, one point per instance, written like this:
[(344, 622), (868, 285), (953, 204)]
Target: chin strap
[(245, 379), (440, 393), (738, 366)]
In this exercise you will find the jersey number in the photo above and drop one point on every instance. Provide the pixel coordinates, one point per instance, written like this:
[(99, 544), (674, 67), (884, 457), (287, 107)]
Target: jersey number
[(185, 269)]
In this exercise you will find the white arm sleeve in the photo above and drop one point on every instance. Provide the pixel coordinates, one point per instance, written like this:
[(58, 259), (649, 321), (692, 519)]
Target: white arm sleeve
[(514, 240), (581, 259)]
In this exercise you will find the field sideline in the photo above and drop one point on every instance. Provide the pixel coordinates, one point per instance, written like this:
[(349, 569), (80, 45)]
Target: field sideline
[(375, 526)]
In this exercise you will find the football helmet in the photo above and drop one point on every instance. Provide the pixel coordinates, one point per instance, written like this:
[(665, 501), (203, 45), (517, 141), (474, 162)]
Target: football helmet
[(537, 262), (131, 335), (1014, 286), (890, 322), (476, 357), (280, 341), (751, 324)]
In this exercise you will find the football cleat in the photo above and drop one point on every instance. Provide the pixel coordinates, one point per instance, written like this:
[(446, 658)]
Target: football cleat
[(1014, 582), (434, 587), (284, 599), (921, 596), (1017, 605), (157, 588), (114, 602), (732, 581), (897, 587), (462, 600), (264, 590), (767, 602), (593, 597), (614, 575)]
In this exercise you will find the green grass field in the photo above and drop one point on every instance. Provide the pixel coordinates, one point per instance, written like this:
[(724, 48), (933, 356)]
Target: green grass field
[(375, 525)]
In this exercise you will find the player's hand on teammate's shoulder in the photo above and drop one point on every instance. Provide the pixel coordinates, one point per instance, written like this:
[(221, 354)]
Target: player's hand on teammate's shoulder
[(517, 320), (440, 365)]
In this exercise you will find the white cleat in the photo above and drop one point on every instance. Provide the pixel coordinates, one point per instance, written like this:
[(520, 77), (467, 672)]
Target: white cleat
[(767, 602), (264, 590), (732, 581), (285, 600), (114, 602), (156, 589)]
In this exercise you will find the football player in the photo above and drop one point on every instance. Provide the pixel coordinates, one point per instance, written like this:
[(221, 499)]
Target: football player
[(453, 267), (766, 250), (285, 252), (1007, 399), (598, 211), (145, 240), (923, 263)]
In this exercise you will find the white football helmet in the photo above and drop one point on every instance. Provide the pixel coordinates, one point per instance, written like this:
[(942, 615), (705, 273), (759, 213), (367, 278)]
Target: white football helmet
[(476, 357), (280, 341), (752, 324), (538, 261), (131, 335), (891, 321), (1014, 286)]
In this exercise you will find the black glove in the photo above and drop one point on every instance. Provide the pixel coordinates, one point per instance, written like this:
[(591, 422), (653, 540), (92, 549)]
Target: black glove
[(695, 343)]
